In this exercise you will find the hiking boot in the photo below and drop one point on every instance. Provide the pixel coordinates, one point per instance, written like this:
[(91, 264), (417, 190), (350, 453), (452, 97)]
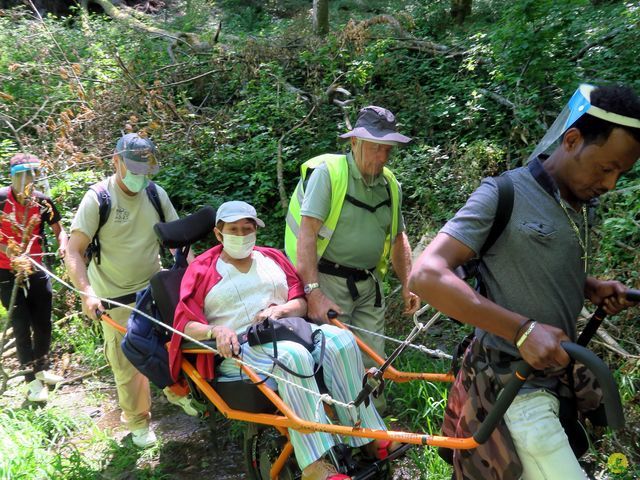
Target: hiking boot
[(37, 391), (143, 437), (185, 402), (48, 377)]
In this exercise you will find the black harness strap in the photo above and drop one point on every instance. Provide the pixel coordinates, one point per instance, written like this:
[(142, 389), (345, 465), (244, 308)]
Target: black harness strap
[(369, 208), (352, 275)]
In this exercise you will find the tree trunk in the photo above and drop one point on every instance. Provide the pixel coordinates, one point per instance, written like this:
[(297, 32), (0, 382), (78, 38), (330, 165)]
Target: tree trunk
[(320, 17), (460, 9)]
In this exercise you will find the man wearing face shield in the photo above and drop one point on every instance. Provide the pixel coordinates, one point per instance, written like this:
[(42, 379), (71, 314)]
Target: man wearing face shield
[(25, 210), (535, 280), (129, 256), (345, 223)]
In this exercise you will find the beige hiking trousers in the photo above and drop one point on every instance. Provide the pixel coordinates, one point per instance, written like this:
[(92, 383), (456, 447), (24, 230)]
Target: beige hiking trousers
[(132, 386)]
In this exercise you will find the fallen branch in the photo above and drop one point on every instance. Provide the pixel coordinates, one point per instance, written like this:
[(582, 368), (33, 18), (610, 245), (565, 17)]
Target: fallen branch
[(188, 80), (618, 243), (611, 344), (582, 52), (117, 14), (9, 352), (19, 373), (81, 377), (9, 345), (499, 99)]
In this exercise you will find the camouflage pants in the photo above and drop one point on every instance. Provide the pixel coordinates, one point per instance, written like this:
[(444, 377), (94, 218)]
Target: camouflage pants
[(482, 376), (471, 398)]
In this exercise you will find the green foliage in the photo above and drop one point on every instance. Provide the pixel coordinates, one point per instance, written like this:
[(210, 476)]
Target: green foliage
[(218, 115), (83, 338), (421, 403), (28, 441), (431, 466)]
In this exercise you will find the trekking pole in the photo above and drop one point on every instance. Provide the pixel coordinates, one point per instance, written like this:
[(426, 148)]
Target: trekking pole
[(598, 317)]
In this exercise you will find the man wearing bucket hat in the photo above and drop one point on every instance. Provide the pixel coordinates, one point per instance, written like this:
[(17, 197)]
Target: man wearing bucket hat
[(344, 224), (25, 210), (127, 258), (534, 280)]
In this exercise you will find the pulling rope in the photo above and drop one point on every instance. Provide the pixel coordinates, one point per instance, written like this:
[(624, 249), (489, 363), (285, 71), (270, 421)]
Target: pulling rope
[(437, 353), (351, 408)]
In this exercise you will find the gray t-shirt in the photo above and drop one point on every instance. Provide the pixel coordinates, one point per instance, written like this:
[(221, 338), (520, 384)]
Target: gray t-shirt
[(536, 267), (358, 239)]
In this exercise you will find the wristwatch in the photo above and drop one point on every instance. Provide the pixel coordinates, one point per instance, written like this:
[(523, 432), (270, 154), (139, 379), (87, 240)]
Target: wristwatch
[(310, 287)]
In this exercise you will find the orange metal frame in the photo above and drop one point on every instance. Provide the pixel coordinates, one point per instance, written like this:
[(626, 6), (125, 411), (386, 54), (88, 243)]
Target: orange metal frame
[(287, 418)]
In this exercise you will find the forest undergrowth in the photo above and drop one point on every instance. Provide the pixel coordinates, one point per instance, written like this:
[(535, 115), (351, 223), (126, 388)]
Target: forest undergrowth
[(237, 94)]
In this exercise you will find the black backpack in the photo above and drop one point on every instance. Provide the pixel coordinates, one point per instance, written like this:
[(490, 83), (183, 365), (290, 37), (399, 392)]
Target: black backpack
[(470, 270), (104, 209)]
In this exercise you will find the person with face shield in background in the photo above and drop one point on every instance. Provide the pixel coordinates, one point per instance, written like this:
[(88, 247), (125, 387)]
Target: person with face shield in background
[(128, 258), (535, 280), (236, 284), (24, 213), (345, 223)]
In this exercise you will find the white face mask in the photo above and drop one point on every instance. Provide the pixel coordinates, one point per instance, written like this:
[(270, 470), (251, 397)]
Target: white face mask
[(238, 246)]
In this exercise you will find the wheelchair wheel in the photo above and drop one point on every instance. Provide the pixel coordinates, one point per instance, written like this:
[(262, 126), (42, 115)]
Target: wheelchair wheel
[(262, 445)]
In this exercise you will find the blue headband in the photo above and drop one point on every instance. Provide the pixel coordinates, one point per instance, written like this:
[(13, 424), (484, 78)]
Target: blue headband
[(24, 167)]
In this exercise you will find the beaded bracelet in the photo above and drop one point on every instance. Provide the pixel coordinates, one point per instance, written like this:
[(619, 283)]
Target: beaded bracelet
[(526, 334)]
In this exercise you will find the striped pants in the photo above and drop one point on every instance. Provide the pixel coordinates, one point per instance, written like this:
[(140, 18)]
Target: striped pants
[(342, 371)]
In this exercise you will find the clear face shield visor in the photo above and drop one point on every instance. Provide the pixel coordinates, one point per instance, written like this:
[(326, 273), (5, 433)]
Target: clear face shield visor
[(24, 176), (579, 104)]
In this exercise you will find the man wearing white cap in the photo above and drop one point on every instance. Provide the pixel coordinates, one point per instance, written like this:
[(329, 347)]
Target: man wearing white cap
[(127, 257), (535, 280), (345, 223)]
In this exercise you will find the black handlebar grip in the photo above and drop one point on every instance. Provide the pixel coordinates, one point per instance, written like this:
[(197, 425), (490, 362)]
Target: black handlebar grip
[(611, 396), (509, 392), (633, 295), (591, 327)]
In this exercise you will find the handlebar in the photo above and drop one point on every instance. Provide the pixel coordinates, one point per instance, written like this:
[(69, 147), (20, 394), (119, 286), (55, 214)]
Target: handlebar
[(612, 402), (633, 295), (596, 319)]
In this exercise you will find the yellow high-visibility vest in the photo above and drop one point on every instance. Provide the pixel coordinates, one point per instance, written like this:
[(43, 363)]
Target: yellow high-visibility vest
[(338, 168)]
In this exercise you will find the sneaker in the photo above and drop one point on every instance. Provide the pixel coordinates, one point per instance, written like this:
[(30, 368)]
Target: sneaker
[(48, 377), (37, 391), (143, 437), (184, 402)]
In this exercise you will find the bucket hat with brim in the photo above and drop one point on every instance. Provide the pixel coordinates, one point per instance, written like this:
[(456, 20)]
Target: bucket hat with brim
[(376, 124)]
